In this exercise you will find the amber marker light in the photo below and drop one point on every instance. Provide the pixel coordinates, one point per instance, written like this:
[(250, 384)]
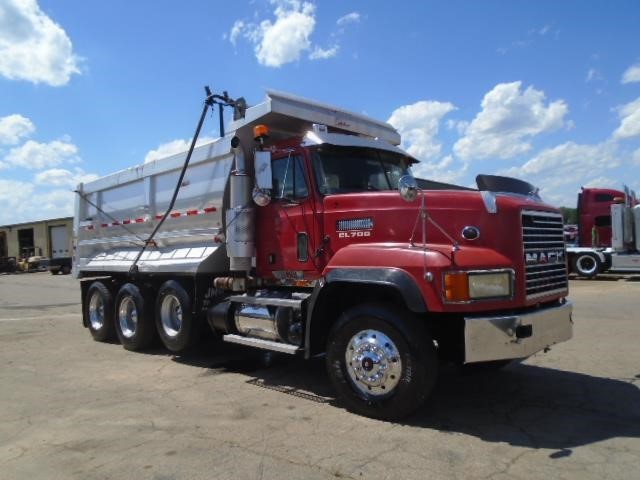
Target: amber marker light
[(456, 287), (260, 132)]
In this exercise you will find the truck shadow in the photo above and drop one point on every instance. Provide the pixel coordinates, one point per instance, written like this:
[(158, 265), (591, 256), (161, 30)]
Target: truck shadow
[(522, 405), (535, 407)]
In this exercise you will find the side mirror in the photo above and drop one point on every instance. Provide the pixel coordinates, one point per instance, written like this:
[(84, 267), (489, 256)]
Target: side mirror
[(262, 165), (408, 188)]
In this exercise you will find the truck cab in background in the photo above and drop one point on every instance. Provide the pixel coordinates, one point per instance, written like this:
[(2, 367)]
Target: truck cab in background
[(608, 233)]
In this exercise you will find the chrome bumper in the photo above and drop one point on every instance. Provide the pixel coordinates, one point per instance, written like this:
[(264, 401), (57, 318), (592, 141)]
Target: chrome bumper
[(516, 336)]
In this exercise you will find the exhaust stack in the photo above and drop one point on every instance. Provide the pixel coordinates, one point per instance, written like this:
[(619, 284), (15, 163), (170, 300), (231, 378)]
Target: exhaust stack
[(240, 226)]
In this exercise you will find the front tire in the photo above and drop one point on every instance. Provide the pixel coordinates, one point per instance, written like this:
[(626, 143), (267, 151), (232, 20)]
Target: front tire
[(133, 319), (177, 327), (381, 361), (586, 265)]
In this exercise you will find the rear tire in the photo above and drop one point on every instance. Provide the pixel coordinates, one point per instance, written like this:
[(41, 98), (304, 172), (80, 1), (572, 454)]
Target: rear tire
[(586, 265), (381, 361), (98, 310), (177, 326), (66, 270), (133, 318)]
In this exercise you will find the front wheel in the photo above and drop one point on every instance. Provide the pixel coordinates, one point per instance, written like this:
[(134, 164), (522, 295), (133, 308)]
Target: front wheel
[(586, 265), (381, 361)]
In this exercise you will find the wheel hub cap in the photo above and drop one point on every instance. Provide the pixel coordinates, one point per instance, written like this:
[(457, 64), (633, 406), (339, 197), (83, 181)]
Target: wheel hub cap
[(128, 317), (373, 363), (171, 315), (96, 311)]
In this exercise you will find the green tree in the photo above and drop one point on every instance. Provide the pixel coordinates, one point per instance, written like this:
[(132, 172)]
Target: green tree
[(570, 215)]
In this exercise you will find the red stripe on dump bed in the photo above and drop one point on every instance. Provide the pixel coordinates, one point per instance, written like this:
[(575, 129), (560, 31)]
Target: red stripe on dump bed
[(192, 212), (210, 209)]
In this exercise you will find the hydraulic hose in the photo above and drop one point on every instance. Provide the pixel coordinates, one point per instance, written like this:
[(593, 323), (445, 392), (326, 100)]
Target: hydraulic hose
[(209, 102)]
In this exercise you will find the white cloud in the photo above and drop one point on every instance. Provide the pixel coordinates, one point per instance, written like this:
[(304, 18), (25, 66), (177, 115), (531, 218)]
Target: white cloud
[(13, 128), (441, 171), (632, 74), (321, 54), (353, 17), (173, 147), (593, 74), (544, 30), (458, 125), (33, 47), (629, 120), (560, 171), (418, 125), (15, 198), (509, 119), (236, 31), (36, 156), (60, 177), (287, 37), (22, 202), (284, 40)]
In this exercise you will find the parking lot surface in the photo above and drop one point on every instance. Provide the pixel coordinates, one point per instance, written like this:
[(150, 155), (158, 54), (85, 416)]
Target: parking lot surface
[(71, 408)]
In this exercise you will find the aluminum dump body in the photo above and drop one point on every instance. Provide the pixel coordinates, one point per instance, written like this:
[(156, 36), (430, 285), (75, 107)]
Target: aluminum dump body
[(116, 213)]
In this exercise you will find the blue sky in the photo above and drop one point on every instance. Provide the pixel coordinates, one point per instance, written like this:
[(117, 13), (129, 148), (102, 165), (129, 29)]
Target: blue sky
[(547, 91)]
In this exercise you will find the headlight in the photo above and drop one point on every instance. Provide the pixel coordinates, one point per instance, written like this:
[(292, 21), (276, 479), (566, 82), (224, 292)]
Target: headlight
[(489, 285), (477, 285)]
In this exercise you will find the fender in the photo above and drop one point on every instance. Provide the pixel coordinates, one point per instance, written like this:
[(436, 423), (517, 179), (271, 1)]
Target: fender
[(395, 278), (391, 277), (601, 254)]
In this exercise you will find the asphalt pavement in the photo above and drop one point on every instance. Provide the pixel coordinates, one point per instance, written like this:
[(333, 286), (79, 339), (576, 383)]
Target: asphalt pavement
[(71, 408)]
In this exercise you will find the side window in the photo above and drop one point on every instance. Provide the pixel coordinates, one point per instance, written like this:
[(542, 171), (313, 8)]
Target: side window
[(604, 197), (288, 178)]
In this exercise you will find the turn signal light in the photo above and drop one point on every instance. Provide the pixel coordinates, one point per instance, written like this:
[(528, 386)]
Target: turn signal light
[(260, 132), (456, 287)]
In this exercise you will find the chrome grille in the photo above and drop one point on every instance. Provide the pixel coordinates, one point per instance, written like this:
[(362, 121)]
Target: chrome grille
[(544, 254)]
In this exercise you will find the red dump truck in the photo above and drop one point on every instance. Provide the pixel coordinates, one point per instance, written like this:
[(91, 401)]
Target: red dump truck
[(608, 233), (302, 231)]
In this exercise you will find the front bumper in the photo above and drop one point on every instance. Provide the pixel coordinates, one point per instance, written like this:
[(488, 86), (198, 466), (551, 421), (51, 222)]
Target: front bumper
[(516, 336)]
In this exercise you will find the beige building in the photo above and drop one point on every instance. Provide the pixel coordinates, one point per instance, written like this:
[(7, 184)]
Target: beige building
[(47, 238)]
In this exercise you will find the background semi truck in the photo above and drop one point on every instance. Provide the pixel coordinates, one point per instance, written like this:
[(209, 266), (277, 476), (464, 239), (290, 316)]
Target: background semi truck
[(608, 233), (301, 231)]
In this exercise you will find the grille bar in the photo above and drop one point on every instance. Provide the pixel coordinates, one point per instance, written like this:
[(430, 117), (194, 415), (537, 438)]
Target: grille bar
[(544, 254)]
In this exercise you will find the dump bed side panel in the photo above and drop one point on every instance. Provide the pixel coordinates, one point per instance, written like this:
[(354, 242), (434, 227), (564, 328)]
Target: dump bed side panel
[(115, 214)]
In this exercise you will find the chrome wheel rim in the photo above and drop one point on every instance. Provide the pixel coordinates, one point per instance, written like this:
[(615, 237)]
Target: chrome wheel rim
[(128, 317), (171, 315), (587, 264), (96, 311), (373, 363)]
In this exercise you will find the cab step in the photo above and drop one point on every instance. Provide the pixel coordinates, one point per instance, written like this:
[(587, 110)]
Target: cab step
[(264, 344)]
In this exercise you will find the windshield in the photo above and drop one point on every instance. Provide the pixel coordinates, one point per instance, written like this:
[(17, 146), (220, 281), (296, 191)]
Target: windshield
[(355, 169)]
